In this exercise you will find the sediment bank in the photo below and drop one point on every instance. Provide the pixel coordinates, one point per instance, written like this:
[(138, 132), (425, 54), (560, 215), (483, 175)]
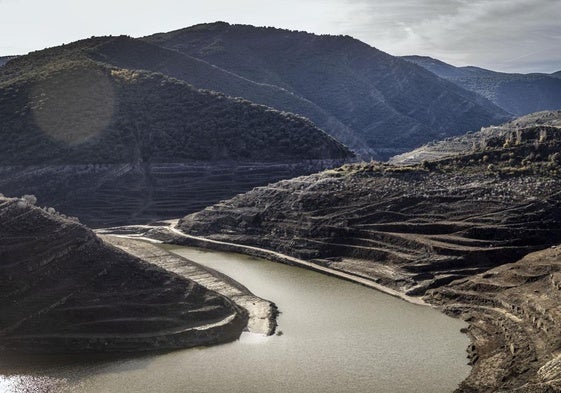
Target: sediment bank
[(261, 313)]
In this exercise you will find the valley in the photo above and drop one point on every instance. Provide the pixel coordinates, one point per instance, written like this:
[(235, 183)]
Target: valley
[(266, 189)]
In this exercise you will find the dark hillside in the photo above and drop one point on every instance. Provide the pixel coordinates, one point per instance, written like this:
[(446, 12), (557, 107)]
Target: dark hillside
[(386, 101), (65, 290), (83, 112), (126, 52), (518, 94), (113, 145)]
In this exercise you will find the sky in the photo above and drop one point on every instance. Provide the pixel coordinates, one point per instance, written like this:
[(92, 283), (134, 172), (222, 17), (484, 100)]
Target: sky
[(502, 35)]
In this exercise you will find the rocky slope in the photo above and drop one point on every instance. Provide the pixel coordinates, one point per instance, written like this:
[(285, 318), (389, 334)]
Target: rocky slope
[(518, 94), (450, 230), (388, 103), (65, 290), (70, 111), (471, 141), (515, 320)]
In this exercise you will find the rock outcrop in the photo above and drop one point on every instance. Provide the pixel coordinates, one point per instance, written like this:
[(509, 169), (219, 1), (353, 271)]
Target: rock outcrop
[(65, 290), (474, 141)]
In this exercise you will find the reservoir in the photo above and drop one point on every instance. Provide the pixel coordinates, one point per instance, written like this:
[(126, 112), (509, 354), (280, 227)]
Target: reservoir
[(337, 337)]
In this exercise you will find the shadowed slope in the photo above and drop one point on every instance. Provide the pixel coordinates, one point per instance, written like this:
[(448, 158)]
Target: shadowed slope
[(518, 94), (386, 101), (64, 290)]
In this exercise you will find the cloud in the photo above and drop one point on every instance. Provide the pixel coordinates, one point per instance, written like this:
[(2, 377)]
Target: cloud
[(510, 35)]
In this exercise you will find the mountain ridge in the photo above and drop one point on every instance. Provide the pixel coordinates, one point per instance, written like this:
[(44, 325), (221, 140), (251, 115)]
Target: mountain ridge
[(349, 79), (516, 93)]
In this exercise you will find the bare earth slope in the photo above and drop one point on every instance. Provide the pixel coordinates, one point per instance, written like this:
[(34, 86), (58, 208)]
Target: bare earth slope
[(65, 290), (439, 230), (515, 316)]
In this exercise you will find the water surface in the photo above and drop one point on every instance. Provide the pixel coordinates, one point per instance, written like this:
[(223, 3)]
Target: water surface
[(336, 337)]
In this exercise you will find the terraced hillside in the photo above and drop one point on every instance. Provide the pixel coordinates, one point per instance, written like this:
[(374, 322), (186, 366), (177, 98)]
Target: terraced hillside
[(475, 234), (411, 228), (118, 194), (65, 290), (389, 104), (515, 320)]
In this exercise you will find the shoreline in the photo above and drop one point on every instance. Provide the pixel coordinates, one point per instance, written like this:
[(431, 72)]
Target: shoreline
[(171, 235), (261, 312)]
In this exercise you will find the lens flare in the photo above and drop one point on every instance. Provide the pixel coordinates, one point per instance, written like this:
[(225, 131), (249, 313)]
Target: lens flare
[(73, 106)]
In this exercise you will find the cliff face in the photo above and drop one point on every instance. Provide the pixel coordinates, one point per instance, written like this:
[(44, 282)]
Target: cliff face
[(518, 94), (472, 141), (65, 290)]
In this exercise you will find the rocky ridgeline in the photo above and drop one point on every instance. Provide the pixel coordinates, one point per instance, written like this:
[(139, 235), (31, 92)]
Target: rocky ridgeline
[(474, 141), (63, 289)]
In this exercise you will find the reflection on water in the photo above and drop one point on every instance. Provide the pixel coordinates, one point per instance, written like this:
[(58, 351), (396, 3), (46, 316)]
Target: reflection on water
[(337, 337)]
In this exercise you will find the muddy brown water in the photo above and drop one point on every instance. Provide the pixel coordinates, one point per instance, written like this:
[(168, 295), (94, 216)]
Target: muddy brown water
[(337, 337)]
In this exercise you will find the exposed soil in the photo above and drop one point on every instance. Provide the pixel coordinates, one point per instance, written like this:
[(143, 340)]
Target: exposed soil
[(65, 290)]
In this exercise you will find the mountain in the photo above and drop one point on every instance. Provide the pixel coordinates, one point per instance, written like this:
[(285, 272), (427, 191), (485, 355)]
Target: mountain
[(73, 110), (556, 74), (65, 290), (126, 52), (116, 145), (445, 230), (518, 94), (388, 103), (465, 144)]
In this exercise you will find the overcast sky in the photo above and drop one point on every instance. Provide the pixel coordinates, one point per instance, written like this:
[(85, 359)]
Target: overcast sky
[(503, 35)]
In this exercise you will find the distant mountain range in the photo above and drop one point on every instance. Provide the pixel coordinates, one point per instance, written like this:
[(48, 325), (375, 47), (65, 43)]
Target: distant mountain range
[(518, 94), (375, 103)]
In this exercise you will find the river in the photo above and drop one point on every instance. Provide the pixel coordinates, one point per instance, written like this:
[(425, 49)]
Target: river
[(337, 337)]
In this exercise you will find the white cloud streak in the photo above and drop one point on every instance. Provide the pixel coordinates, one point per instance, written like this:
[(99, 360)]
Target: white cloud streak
[(508, 35)]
